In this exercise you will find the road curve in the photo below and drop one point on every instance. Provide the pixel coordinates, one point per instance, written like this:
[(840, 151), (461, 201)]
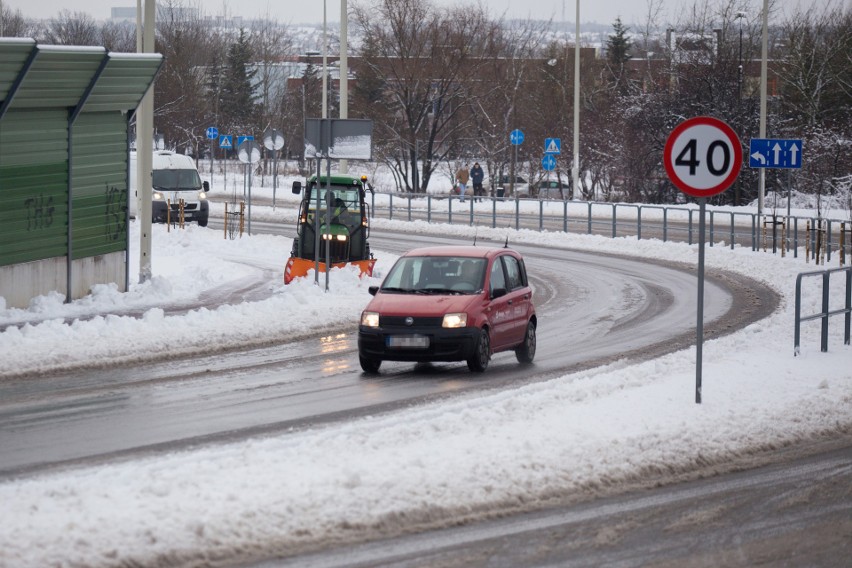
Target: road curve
[(593, 309)]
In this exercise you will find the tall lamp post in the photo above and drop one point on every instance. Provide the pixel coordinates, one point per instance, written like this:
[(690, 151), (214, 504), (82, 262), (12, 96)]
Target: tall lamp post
[(575, 171), (739, 16)]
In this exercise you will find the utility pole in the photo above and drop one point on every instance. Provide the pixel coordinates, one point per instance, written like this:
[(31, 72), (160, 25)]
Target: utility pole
[(145, 140)]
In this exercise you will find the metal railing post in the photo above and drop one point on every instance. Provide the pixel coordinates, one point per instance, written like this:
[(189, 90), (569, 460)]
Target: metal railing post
[(493, 212), (517, 213), (614, 215), (797, 319), (665, 223), (733, 229), (450, 210), (471, 210), (390, 205), (564, 216), (824, 326), (428, 208), (639, 223), (590, 217)]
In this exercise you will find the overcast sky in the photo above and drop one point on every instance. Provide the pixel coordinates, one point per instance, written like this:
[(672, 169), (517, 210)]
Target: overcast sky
[(301, 11)]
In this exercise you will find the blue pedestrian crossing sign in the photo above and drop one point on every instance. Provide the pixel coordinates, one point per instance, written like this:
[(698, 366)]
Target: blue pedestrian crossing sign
[(226, 141), (212, 132), (552, 145), (241, 139), (774, 153), (516, 137), (548, 162)]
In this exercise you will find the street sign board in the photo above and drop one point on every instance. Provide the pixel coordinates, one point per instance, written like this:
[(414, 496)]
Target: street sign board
[(248, 151), (212, 132), (241, 139), (516, 137), (703, 156), (548, 162), (775, 153), (350, 138), (552, 145), (226, 141)]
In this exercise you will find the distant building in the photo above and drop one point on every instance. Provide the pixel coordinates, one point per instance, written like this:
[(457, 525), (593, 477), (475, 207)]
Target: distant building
[(123, 14)]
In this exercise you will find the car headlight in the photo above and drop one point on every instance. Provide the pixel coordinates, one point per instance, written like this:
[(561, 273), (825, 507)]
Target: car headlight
[(202, 195), (157, 195), (454, 320), (370, 319)]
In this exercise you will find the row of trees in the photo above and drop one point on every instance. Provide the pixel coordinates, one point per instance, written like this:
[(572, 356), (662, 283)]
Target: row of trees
[(447, 85)]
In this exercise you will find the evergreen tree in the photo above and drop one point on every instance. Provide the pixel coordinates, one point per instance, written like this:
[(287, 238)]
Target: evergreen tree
[(618, 52), (238, 95)]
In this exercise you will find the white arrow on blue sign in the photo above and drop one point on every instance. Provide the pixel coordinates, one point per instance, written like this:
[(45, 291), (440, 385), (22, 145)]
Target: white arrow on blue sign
[(774, 153), (226, 141), (241, 139), (516, 137), (548, 162), (552, 145), (212, 132)]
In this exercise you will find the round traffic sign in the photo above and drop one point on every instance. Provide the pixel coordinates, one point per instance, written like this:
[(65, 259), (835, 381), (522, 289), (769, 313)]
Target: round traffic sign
[(212, 132), (248, 152), (273, 140), (703, 156), (516, 137), (548, 162)]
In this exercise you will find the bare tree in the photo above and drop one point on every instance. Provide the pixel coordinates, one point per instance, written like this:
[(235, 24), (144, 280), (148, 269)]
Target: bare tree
[(414, 62), (72, 28)]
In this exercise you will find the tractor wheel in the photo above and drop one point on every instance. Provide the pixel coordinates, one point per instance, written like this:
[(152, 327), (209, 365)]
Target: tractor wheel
[(478, 361), (370, 365)]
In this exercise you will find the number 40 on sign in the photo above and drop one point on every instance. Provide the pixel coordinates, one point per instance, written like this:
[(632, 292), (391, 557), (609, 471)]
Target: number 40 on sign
[(703, 156)]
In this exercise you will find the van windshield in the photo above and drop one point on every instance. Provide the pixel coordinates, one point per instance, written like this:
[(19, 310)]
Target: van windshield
[(176, 180)]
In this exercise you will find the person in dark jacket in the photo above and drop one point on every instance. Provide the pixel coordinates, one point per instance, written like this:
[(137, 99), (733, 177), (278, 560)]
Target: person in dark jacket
[(477, 176)]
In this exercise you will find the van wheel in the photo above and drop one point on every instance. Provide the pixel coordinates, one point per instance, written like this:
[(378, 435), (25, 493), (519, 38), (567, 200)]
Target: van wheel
[(369, 365), (202, 221), (478, 361), (526, 351)]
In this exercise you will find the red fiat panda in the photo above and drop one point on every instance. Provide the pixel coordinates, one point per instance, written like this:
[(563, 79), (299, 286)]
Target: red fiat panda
[(450, 303)]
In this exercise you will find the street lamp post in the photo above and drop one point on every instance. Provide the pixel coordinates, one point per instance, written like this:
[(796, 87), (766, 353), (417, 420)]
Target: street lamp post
[(739, 16), (575, 171)]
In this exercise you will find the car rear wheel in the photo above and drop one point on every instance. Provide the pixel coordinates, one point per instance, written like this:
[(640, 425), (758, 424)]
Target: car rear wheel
[(370, 365), (478, 361), (526, 351)]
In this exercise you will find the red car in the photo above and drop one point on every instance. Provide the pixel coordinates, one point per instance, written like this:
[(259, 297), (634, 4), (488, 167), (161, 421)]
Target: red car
[(450, 303)]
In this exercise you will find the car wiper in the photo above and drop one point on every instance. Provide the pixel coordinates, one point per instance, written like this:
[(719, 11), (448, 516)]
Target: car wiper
[(432, 291)]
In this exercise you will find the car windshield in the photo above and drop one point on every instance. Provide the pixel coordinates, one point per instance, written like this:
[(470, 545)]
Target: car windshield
[(436, 275), (176, 180)]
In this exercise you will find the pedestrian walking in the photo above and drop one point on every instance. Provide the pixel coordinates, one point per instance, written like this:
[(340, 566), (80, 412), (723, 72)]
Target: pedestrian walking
[(462, 177), (477, 176)]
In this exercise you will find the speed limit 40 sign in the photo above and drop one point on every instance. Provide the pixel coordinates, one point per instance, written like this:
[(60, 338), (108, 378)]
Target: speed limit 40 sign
[(703, 156)]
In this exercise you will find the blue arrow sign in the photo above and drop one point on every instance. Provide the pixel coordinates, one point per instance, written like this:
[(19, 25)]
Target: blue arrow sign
[(516, 137), (212, 132), (226, 141), (552, 145), (774, 153), (548, 162)]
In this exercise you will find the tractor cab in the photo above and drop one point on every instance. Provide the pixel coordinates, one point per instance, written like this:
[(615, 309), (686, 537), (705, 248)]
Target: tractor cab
[(342, 223)]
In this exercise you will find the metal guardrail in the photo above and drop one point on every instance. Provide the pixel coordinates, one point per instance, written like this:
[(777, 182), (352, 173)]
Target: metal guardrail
[(826, 311), (787, 233)]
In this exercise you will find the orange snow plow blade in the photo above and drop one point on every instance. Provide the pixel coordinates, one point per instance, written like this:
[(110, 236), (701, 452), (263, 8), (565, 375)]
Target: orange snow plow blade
[(297, 267)]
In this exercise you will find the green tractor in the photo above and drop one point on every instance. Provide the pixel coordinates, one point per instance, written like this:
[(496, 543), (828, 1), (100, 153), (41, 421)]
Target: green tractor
[(341, 200)]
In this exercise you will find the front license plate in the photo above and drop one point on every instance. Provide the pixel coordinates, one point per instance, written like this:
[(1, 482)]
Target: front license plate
[(408, 341)]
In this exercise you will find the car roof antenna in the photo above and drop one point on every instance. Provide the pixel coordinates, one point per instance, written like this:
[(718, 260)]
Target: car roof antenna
[(474, 235), (507, 242)]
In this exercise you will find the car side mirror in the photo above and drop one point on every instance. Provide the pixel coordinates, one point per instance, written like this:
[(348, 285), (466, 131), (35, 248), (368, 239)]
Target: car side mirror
[(497, 292), (297, 187), (206, 186), (373, 290)]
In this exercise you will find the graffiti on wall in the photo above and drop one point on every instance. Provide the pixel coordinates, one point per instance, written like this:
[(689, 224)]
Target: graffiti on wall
[(39, 212)]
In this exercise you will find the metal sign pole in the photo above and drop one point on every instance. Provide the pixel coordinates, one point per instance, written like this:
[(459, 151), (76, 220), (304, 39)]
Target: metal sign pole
[(699, 340)]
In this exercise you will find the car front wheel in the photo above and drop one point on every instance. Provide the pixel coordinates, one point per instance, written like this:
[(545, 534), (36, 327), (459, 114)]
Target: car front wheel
[(526, 351), (478, 361), (370, 365)]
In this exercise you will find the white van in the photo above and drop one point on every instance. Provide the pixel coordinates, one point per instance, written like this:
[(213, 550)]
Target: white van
[(175, 177)]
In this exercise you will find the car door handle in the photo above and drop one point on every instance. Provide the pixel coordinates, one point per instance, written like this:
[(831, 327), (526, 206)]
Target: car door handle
[(509, 302)]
